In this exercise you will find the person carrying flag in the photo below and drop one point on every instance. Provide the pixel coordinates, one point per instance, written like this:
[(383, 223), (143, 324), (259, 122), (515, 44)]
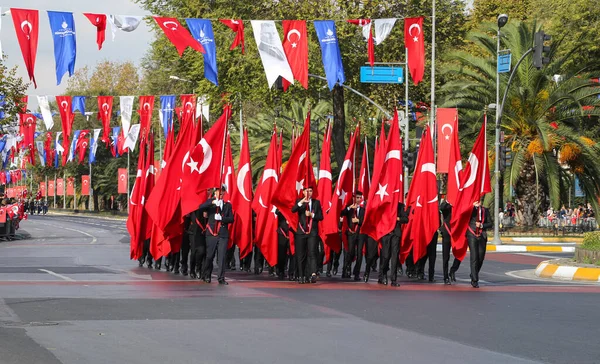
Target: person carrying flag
[(307, 236)]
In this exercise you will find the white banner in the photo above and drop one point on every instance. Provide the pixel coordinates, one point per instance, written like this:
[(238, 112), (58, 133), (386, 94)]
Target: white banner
[(132, 137), (40, 151), (59, 147), (95, 145), (126, 103), (271, 51), (45, 111), (383, 28), (126, 23)]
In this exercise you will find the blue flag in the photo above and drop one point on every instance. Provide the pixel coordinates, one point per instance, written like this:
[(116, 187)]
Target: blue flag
[(55, 155), (7, 173), (2, 103), (23, 174), (3, 143), (330, 52), (167, 107), (78, 103), (202, 31), (73, 144), (65, 48), (115, 138)]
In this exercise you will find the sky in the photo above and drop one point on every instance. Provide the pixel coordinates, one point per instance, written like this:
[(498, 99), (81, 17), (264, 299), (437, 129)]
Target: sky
[(126, 47)]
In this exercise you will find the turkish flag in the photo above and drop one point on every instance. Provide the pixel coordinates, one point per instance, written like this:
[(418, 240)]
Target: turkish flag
[(454, 169), (105, 104), (342, 196), (266, 218), (122, 180), (425, 210), (202, 165), (149, 182), (99, 21), (70, 186), (367, 31), (60, 187), (241, 200), (237, 25), (66, 118), (48, 148), (2, 178), (2, 215), (85, 185), (43, 188), (178, 35), (187, 108), (145, 111), (121, 138), (447, 122), (135, 206), (27, 26), (388, 189), (227, 175), (364, 175), (295, 46), (325, 183), (10, 192), (475, 183), (82, 144), (169, 147), (27, 130), (51, 188), (297, 175), (163, 205), (413, 40)]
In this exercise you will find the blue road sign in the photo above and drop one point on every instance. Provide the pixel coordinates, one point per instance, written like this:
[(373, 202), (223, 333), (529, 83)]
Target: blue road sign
[(381, 74), (504, 63)]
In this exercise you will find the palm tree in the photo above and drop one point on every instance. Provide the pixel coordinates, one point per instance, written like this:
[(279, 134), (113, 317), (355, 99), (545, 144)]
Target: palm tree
[(547, 119)]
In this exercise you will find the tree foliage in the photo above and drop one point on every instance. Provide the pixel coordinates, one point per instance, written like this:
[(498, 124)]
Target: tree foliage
[(12, 90)]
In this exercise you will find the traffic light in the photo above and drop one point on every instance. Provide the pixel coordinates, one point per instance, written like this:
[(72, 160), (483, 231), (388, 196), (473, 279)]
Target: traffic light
[(409, 160), (540, 51), (502, 159)]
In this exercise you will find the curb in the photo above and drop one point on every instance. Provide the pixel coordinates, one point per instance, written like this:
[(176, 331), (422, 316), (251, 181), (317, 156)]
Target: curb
[(525, 248), (547, 269), (540, 240), (123, 218)]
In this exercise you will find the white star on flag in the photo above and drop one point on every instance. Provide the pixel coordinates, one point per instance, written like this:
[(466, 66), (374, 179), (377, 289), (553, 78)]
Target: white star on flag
[(299, 185), (193, 165), (342, 195), (382, 192), (416, 39)]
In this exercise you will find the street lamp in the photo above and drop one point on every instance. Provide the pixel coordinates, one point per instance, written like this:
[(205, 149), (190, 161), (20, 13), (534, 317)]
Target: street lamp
[(182, 80), (502, 20)]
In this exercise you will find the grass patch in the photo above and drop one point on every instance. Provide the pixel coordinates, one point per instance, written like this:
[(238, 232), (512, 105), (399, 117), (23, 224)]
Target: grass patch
[(591, 241)]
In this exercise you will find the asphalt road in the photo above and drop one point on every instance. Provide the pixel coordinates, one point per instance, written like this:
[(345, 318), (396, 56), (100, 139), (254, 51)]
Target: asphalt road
[(69, 294)]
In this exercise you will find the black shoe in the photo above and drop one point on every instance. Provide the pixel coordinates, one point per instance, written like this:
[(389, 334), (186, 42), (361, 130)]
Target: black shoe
[(395, 284), (400, 272), (207, 280), (421, 276), (157, 266), (385, 281), (475, 284), (222, 281), (431, 280), (141, 264), (280, 277), (232, 268), (356, 278), (291, 278), (447, 282), (452, 276), (313, 278), (200, 276), (328, 274), (380, 281), (176, 271), (149, 265), (271, 274), (193, 275), (366, 277), (300, 280), (335, 271), (184, 271)]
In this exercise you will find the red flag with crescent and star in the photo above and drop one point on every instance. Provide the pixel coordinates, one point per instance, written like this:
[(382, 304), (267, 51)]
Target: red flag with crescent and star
[(295, 46), (413, 40), (105, 104), (266, 217), (202, 165), (474, 184), (454, 170), (447, 124), (85, 185), (367, 30), (149, 176), (122, 180), (51, 190), (26, 23), (60, 187), (388, 189), (236, 25), (241, 201), (227, 176), (145, 111), (364, 176), (99, 21), (178, 35), (66, 119), (70, 186), (136, 207), (82, 145)]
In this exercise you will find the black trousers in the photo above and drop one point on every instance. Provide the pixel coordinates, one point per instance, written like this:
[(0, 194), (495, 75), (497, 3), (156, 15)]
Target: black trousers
[(185, 250), (371, 247), (230, 261), (411, 268), (146, 257), (306, 254), (214, 244), (354, 252), (446, 249), (430, 256), (320, 255), (334, 260), (283, 245), (390, 248), (198, 253), (477, 248)]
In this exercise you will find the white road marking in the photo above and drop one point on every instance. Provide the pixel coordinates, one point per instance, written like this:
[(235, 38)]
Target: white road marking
[(94, 239), (57, 275)]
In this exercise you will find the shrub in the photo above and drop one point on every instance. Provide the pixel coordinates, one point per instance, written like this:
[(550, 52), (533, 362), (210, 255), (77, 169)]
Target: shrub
[(591, 241)]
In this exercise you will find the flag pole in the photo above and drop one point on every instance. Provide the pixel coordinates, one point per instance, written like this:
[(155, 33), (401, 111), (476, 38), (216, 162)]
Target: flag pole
[(129, 152), (55, 191), (91, 195), (406, 119), (74, 194), (46, 190), (64, 191)]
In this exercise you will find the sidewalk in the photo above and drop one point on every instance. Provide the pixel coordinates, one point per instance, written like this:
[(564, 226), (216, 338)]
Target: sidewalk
[(568, 270), (521, 248)]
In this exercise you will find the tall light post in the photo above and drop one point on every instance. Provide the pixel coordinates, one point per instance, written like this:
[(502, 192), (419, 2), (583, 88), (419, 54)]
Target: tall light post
[(502, 20), (183, 80)]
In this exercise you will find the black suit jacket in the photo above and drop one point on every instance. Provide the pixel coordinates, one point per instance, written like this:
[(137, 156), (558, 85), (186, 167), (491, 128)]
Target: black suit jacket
[(302, 219), (446, 210), (349, 213), (401, 219), (226, 218), (282, 224), (486, 219)]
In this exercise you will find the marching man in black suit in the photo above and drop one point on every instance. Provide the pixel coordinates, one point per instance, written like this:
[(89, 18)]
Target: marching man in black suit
[(477, 239), (307, 236), (355, 214), (220, 214)]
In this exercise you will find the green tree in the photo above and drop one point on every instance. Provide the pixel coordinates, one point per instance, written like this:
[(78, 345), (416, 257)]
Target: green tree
[(547, 124), (12, 91)]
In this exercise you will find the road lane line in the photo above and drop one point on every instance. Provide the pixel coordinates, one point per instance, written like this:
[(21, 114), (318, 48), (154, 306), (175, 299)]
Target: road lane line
[(94, 239), (57, 275)]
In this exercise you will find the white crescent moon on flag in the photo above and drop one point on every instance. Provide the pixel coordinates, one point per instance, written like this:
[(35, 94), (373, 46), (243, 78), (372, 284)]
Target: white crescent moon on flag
[(428, 167), (170, 22), (269, 173), (302, 157), (26, 23), (207, 156), (260, 201), (395, 154), (105, 106), (418, 203), (189, 103), (449, 126), (64, 104), (293, 31), (414, 26), (234, 21), (146, 106), (474, 163), (241, 178), (325, 174)]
